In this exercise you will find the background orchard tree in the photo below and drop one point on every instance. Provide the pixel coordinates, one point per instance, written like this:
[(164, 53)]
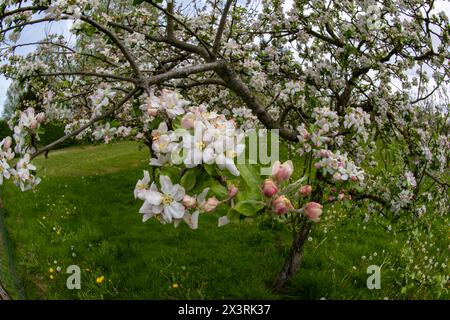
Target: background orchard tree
[(345, 82)]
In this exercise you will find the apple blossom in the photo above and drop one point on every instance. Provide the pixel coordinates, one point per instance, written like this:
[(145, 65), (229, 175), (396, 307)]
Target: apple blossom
[(269, 188), (232, 191), (282, 172), (189, 202), (210, 204), (281, 205), (313, 210), (305, 190), (166, 203)]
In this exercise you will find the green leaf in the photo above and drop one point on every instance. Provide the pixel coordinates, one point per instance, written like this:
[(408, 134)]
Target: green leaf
[(189, 180), (250, 174), (211, 169), (233, 215), (137, 2), (218, 190), (249, 207), (172, 172)]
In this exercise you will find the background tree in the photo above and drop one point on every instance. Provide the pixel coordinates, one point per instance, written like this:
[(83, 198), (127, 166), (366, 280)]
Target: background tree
[(334, 77)]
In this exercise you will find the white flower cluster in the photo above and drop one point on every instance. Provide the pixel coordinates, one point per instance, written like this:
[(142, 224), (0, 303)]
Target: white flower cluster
[(410, 179), (206, 137), (171, 204), (339, 166), (358, 120), (326, 121), (75, 125), (21, 174), (246, 116), (72, 8), (107, 133), (168, 101), (402, 200), (101, 98), (28, 123)]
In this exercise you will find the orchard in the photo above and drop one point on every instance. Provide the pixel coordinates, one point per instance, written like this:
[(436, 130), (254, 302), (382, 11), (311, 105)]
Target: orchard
[(354, 95)]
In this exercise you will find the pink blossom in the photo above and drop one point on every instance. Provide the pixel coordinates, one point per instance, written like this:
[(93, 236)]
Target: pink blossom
[(305, 190), (232, 191), (188, 121), (40, 117), (282, 172), (313, 210), (189, 202), (269, 188), (210, 204), (152, 112), (7, 143), (281, 204)]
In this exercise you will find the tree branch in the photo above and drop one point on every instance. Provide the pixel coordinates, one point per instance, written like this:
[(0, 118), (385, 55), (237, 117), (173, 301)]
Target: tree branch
[(220, 29), (87, 125)]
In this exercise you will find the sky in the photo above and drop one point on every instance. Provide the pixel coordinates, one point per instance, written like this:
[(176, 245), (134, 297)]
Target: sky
[(37, 32), (32, 34)]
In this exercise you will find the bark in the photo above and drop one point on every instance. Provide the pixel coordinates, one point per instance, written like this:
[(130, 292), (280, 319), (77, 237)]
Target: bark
[(294, 259)]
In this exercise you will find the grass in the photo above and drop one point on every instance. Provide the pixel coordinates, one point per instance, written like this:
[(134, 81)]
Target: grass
[(84, 214)]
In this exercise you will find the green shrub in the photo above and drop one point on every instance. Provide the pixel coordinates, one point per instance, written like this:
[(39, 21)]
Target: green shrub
[(4, 129)]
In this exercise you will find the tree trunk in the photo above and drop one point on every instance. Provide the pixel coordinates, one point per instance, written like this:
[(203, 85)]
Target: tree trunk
[(294, 259)]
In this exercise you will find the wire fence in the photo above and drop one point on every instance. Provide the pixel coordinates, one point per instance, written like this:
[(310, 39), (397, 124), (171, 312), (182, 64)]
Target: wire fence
[(10, 285)]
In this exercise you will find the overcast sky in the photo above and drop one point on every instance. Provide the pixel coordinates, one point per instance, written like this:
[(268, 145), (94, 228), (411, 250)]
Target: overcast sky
[(37, 32)]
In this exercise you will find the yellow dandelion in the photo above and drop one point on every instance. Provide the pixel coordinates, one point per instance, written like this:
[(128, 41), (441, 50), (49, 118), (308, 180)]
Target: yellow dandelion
[(51, 270), (58, 232), (52, 277), (175, 285), (100, 279)]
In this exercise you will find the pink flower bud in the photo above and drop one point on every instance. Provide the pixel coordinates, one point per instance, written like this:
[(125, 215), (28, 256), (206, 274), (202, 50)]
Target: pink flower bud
[(40, 117), (341, 196), (152, 112), (189, 202), (313, 210), (281, 205), (33, 124), (305, 190), (324, 153), (317, 165), (232, 191), (282, 172), (349, 197), (7, 143), (353, 178), (187, 122), (269, 188), (210, 204)]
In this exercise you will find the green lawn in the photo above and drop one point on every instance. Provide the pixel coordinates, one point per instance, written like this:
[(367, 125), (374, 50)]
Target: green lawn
[(84, 214)]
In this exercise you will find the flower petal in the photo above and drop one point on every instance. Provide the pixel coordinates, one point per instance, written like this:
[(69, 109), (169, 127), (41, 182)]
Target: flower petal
[(176, 210), (166, 184), (177, 192), (153, 197)]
